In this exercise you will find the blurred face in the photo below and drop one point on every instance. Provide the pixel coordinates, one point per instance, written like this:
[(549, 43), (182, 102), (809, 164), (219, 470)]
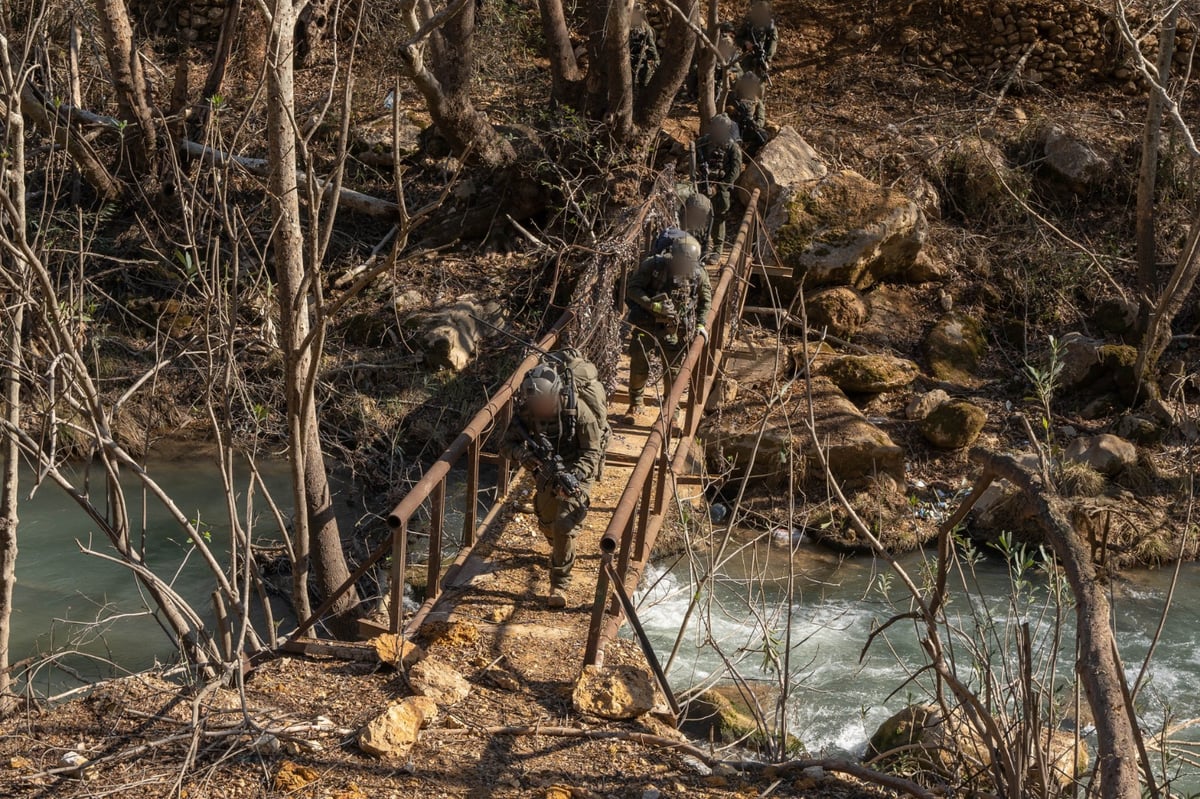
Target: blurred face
[(681, 266), (637, 17), (727, 48), (694, 218), (721, 134), (543, 406), (746, 90), (760, 15)]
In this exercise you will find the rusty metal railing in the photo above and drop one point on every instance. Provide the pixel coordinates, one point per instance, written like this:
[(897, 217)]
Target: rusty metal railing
[(642, 508), (468, 448)]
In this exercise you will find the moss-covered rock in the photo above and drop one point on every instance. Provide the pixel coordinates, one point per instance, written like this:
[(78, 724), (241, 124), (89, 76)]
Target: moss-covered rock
[(847, 231), (955, 347), (870, 374), (840, 310), (954, 424)]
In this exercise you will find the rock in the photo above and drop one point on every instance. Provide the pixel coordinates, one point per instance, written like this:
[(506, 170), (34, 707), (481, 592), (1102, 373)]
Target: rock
[(942, 741), (846, 231), (787, 162), (614, 692), (450, 336), (926, 269), (977, 174), (870, 374), (924, 404), (711, 716), (839, 310), (436, 680), (954, 424), (396, 650), (408, 301), (855, 448), (1071, 161), (1068, 760), (926, 196), (955, 347), (1116, 316), (393, 732), (1139, 428), (1107, 454), (291, 777), (1095, 367)]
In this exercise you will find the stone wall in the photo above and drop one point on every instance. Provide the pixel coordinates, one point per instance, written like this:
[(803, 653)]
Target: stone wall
[(190, 21), (1067, 41)]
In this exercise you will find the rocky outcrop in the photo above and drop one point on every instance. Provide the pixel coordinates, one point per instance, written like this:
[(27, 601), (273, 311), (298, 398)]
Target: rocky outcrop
[(870, 374), (955, 347), (776, 450), (616, 692), (924, 404), (393, 732), (1092, 367), (397, 651), (846, 231), (785, 164), (954, 424)]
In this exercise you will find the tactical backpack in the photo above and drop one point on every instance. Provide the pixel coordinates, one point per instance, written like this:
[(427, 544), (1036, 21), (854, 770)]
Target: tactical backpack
[(581, 383), (663, 241)]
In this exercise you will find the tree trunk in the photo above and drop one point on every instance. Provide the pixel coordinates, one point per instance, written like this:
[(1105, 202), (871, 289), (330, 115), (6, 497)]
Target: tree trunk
[(1097, 664), (678, 48), (14, 177), (317, 539), (68, 137), (706, 64), (618, 115), (128, 79), (1168, 305), (447, 93), (564, 68), (1147, 248), (312, 28)]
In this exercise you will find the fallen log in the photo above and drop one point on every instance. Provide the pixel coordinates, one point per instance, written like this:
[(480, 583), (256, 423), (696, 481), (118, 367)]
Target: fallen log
[(348, 199)]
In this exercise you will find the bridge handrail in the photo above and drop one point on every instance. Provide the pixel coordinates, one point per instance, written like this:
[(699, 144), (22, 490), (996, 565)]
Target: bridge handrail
[(639, 513)]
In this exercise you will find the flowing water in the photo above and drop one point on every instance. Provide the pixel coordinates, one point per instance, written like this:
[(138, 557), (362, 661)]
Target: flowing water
[(837, 700)]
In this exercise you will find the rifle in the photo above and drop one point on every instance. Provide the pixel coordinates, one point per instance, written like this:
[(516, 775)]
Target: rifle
[(541, 459)]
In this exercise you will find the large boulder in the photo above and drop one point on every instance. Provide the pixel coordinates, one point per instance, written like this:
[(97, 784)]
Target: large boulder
[(393, 732), (839, 310), (954, 348), (1071, 161), (774, 449), (1116, 316), (1091, 367), (846, 231), (613, 692), (786, 163), (924, 733), (870, 374), (954, 424), (1107, 454)]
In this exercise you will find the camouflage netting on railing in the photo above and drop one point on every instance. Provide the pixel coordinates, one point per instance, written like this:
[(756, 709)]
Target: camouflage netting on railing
[(598, 297)]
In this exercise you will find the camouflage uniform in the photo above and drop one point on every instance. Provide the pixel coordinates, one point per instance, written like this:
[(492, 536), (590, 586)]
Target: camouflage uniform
[(759, 45), (559, 518), (643, 53), (718, 166), (751, 118), (691, 296)]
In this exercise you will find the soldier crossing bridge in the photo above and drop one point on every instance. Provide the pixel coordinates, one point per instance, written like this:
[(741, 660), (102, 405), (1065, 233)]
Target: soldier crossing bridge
[(496, 582)]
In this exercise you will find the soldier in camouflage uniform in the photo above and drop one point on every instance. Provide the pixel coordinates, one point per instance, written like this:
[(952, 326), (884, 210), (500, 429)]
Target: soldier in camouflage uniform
[(749, 113), (643, 48), (696, 219), (669, 297), (718, 165), (759, 39), (565, 454), (728, 67)]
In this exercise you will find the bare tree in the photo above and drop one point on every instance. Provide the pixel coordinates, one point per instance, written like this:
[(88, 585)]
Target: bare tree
[(439, 58), (565, 76), (12, 177), (317, 538), (128, 78)]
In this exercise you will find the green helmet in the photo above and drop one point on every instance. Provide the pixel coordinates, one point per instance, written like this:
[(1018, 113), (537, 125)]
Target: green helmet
[(541, 391), (720, 128), (685, 254)]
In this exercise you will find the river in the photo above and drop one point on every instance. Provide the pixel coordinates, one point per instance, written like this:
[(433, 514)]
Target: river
[(61, 592), (838, 701)]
